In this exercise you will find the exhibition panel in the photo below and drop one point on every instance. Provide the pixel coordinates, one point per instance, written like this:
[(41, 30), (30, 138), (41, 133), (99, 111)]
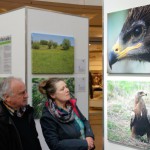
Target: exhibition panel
[(39, 44), (126, 75)]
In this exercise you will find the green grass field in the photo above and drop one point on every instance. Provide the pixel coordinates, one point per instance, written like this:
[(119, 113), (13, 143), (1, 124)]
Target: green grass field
[(53, 61)]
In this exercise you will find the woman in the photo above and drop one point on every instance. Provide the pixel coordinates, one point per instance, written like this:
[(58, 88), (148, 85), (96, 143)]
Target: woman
[(63, 125)]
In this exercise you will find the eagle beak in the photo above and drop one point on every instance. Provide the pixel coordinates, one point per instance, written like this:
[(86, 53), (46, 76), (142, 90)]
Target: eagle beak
[(113, 55), (112, 58), (144, 94), (120, 51)]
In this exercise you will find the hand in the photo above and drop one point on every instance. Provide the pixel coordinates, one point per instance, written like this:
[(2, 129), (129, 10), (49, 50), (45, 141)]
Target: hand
[(90, 142)]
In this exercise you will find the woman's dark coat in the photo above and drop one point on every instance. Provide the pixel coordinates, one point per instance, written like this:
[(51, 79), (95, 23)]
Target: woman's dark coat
[(64, 136)]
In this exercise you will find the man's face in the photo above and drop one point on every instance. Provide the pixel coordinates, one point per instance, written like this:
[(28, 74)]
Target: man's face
[(19, 96)]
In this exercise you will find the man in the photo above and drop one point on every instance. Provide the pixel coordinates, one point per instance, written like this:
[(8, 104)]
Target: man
[(17, 126)]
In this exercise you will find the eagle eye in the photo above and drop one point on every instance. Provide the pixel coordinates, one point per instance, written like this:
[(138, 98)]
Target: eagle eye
[(126, 37), (137, 31)]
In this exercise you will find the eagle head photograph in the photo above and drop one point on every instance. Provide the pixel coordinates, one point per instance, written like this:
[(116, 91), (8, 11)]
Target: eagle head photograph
[(129, 40), (128, 113)]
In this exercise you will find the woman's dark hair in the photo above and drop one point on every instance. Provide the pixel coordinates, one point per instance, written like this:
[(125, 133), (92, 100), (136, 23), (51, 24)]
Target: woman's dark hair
[(47, 87)]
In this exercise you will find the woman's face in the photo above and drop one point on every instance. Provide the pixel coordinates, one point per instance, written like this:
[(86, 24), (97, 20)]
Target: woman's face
[(62, 92)]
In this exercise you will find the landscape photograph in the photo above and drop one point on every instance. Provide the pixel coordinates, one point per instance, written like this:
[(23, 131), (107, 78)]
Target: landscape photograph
[(52, 54)]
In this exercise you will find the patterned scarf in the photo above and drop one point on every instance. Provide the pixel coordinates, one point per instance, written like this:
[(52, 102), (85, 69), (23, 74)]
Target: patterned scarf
[(60, 114)]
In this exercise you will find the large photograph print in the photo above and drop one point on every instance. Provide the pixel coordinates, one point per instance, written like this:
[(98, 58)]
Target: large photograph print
[(38, 100), (52, 54), (129, 41), (128, 111)]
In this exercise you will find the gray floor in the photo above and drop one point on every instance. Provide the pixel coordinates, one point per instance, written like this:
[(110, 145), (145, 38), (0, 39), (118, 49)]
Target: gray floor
[(96, 118), (96, 121)]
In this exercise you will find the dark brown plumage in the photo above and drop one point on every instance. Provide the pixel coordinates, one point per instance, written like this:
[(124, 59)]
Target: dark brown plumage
[(140, 120), (134, 39)]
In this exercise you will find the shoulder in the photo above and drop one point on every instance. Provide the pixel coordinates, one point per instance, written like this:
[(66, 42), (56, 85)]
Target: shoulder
[(47, 119), (29, 109), (1, 108), (46, 113), (4, 117)]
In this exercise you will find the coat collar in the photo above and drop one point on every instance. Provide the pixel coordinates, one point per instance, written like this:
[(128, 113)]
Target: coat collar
[(74, 106), (5, 114)]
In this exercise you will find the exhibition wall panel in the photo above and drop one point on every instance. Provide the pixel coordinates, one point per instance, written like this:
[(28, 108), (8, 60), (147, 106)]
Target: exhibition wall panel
[(125, 74), (54, 26), (12, 44), (24, 54)]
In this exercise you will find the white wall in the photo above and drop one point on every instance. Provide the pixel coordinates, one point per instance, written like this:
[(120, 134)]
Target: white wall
[(48, 22), (112, 6), (13, 24), (21, 23)]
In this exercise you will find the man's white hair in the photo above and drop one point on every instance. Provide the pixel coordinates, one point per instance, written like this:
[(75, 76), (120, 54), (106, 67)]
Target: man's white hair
[(5, 86)]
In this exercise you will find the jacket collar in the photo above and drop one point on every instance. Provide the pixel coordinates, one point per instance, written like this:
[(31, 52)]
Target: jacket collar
[(74, 107), (73, 102), (5, 113)]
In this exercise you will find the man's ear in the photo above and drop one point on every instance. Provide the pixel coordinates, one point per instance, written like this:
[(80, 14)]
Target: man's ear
[(6, 97)]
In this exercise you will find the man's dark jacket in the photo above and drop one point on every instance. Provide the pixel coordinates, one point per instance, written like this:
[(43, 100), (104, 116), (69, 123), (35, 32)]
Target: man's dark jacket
[(9, 135)]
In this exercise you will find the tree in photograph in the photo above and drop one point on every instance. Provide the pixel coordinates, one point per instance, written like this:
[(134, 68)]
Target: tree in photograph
[(43, 42), (66, 44), (50, 44), (35, 45), (55, 44)]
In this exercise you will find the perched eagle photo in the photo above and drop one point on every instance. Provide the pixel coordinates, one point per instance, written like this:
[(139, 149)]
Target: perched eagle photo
[(129, 41), (140, 118), (128, 113)]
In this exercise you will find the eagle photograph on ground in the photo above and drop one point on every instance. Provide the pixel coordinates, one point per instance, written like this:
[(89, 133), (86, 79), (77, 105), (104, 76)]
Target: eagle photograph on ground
[(128, 113), (129, 40)]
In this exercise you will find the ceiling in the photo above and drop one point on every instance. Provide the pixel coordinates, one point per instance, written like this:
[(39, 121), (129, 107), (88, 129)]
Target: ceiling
[(94, 13)]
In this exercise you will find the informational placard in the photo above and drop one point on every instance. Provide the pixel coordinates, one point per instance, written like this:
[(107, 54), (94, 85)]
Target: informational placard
[(80, 84), (5, 55), (81, 65)]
